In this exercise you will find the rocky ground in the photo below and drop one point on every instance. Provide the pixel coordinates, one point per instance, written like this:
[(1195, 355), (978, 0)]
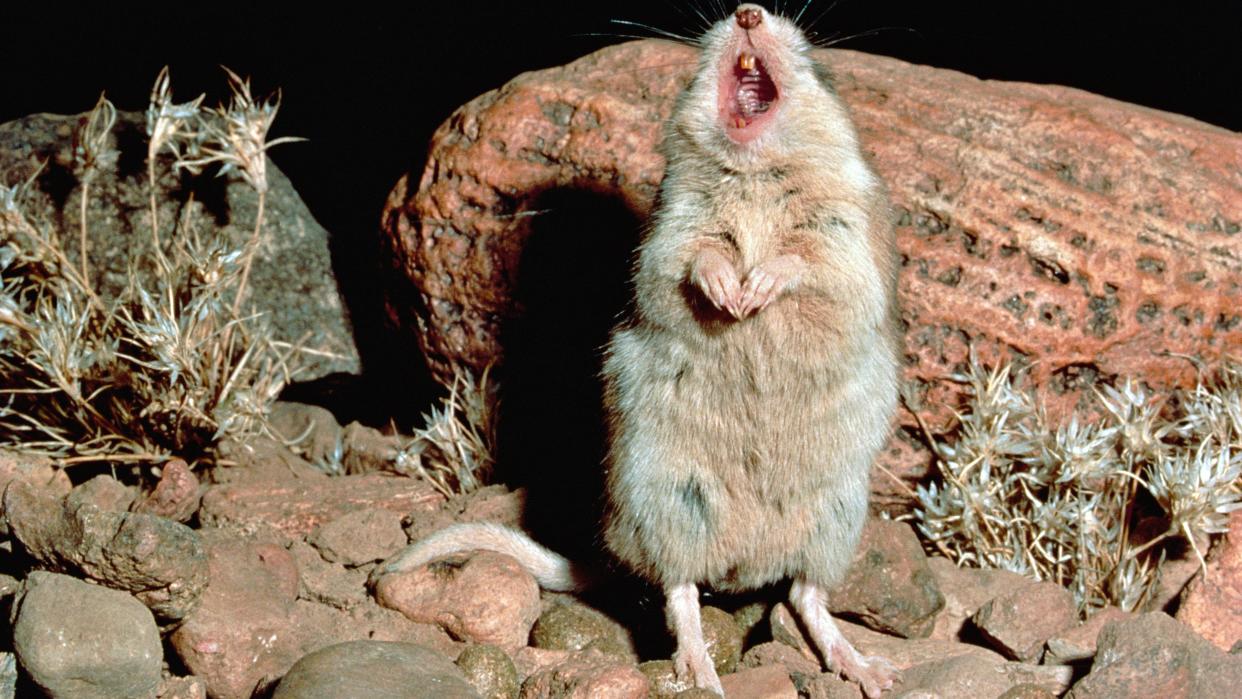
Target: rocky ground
[(253, 582)]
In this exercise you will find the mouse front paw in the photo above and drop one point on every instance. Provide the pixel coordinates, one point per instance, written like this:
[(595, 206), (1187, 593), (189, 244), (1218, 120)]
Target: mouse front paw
[(766, 283), (715, 276)]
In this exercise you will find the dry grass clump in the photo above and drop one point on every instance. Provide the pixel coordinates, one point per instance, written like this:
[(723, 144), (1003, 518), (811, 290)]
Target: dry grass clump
[(172, 364), (455, 449), (1095, 506)]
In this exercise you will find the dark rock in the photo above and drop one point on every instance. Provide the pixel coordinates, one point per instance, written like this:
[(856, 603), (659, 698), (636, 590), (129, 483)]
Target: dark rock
[(160, 561), (360, 537), (490, 671), (291, 282), (1152, 655), (570, 625), (483, 597), (75, 639), (374, 669), (297, 507), (176, 494), (889, 586), (1018, 623)]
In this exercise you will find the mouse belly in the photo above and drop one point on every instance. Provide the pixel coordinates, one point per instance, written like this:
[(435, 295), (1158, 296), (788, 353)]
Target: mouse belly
[(736, 472)]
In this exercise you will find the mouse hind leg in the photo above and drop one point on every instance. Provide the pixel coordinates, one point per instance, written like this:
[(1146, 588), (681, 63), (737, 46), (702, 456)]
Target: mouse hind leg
[(691, 661), (874, 674)]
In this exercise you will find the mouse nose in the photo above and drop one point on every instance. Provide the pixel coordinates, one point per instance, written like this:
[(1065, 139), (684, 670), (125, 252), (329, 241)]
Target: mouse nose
[(749, 15)]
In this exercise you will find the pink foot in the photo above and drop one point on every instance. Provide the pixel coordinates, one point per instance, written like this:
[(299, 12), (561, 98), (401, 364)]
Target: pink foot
[(872, 673)]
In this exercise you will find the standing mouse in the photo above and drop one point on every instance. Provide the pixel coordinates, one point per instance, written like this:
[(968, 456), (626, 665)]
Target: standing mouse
[(754, 385)]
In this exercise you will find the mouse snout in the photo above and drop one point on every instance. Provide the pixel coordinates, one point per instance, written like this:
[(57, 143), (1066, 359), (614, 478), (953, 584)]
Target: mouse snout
[(749, 15)]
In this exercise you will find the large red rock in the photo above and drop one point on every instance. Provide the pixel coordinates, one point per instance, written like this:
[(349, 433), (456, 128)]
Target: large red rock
[(1212, 605), (1034, 222), (296, 506)]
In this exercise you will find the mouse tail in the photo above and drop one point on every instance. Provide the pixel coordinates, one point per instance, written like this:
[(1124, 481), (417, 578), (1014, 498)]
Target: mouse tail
[(552, 570)]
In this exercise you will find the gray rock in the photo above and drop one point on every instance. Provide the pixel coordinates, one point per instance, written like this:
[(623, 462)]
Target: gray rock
[(1152, 655), (377, 670), (8, 676), (291, 282), (490, 671), (104, 492), (1018, 623), (889, 586), (80, 640), (360, 537), (160, 561)]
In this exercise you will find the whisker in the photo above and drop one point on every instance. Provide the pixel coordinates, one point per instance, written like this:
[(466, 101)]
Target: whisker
[(706, 23), (666, 34), (830, 41), (820, 16)]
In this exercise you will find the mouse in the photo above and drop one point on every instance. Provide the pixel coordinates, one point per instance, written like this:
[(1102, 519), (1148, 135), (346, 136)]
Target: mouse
[(754, 383)]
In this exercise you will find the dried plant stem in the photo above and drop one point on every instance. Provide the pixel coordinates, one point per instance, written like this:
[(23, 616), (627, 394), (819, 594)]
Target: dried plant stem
[(62, 260), (86, 272), (251, 248), (155, 214)]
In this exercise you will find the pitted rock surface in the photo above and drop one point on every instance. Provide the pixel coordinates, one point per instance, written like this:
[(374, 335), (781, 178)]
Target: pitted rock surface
[(1034, 222)]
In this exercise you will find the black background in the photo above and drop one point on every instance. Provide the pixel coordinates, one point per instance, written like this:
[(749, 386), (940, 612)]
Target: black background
[(367, 85)]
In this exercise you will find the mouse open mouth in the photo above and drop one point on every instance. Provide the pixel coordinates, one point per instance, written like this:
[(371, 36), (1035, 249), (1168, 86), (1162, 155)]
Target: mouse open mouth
[(748, 95)]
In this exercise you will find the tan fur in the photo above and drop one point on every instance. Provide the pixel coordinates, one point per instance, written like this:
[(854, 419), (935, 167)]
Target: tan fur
[(754, 386), (741, 449)]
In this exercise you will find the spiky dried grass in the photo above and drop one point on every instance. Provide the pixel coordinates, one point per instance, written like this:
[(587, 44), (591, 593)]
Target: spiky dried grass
[(1092, 505), (169, 366), (455, 449)]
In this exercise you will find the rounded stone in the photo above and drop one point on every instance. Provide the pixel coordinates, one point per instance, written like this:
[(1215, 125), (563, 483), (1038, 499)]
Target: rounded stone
[(75, 639), (490, 671), (377, 670)]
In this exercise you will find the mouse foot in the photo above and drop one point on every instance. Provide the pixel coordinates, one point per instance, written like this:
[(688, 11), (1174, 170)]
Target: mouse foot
[(691, 661), (697, 669), (872, 673)]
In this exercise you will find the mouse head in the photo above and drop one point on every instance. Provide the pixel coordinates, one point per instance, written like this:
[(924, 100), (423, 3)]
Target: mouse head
[(757, 89)]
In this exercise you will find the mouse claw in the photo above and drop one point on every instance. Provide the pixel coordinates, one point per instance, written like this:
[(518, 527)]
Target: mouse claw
[(767, 282), (716, 278)]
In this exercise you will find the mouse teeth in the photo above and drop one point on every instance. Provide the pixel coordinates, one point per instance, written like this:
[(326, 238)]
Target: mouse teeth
[(740, 123), (746, 61)]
